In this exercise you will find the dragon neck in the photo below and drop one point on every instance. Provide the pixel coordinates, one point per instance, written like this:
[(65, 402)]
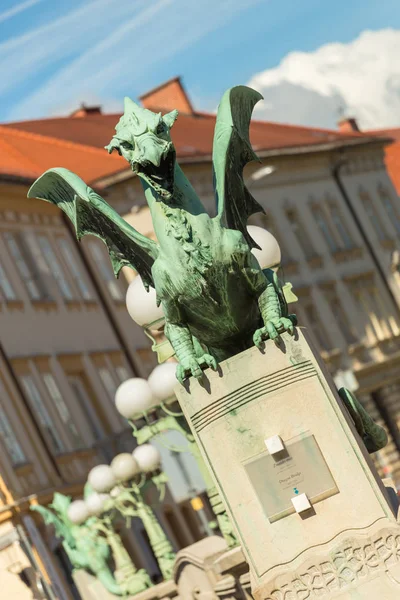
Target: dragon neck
[(184, 196), (179, 212)]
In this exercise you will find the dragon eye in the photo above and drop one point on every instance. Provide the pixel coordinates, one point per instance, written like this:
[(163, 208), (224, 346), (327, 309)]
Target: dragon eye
[(160, 127), (126, 146)]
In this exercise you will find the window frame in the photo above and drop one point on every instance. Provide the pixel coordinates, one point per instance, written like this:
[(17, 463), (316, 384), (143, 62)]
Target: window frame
[(27, 271), (4, 277), (6, 424), (72, 263), (74, 436), (58, 273), (43, 414), (105, 271), (300, 233)]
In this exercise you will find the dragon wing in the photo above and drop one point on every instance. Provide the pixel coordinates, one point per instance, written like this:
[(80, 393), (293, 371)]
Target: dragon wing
[(231, 152), (90, 214)]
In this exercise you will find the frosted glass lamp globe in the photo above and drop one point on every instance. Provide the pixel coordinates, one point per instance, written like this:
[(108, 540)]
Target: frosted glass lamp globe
[(95, 503), (147, 457), (101, 479), (162, 381), (133, 397), (78, 512), (124, 467), (142, 306), (270, 253)]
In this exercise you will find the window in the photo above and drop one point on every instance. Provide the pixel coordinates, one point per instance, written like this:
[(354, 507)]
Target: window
[(10, 441), (373, 216), (79, 389), (389, 207), (75, 268), (5, 285), (341, 319), (63, 410), (108, 382), (55, 267), (302, 236), (7, 434), (42, 413), (325, 228), (317, 327), (340, 226), (26, 271), (107, 274), (381, 324)]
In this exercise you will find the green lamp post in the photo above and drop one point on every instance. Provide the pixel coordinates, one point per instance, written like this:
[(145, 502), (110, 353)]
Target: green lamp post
[(152, 409), (126, 481)]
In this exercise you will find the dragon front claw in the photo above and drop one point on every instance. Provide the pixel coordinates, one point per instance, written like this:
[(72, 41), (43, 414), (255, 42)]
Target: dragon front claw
[(193, 367), (272, 330)]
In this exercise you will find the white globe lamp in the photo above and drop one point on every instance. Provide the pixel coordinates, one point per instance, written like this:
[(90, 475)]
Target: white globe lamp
[(162, 381), (124, 467), (102, 479), (147, 457), (78, 512), (95, 503), (134, 396), (270, 254), (142, 306)]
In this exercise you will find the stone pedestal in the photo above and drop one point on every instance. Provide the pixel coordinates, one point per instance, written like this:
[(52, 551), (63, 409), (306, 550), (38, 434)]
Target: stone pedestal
[(194, 572), (90, 588), (347, 545)]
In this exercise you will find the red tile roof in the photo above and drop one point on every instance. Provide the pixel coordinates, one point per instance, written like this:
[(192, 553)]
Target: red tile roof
[(30, 147), (28, 155), (392, 153), (192, 134)]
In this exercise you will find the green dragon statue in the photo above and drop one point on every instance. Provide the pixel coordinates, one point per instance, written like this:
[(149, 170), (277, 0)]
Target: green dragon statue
[(216, 299), (85, 547)]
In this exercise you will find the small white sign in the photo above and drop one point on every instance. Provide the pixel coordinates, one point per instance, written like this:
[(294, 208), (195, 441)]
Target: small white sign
[(301, 503), (274, 444)]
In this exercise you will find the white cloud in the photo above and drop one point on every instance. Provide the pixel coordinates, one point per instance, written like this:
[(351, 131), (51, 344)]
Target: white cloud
[(362, 78), (15, 10), (112, 56)]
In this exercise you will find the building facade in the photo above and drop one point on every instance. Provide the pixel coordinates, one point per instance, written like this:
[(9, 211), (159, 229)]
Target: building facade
[(66, 344)]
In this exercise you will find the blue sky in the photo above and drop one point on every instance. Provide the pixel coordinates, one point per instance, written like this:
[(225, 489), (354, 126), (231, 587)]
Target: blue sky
[(57, 54)]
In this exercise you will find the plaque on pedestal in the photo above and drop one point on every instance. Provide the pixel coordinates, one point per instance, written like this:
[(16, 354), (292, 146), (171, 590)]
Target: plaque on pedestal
[(299, 469)]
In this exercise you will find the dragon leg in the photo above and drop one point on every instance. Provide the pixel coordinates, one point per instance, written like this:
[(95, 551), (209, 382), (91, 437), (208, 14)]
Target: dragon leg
[(190, 364), (274, 313)]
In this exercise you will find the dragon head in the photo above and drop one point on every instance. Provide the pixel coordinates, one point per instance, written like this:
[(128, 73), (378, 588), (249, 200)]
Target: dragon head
[(142, 138)]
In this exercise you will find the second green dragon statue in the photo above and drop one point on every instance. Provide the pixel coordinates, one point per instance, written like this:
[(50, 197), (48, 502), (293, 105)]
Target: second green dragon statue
[(216, 299)]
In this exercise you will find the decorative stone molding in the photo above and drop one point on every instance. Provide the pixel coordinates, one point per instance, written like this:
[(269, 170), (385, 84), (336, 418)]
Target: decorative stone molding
[(353, 561)]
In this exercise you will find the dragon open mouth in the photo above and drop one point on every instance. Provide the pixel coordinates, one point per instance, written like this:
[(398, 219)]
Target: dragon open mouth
[(160, 178)]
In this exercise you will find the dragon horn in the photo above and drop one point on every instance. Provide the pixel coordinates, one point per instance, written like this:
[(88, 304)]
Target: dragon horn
[(170, 118), (130, 105)]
